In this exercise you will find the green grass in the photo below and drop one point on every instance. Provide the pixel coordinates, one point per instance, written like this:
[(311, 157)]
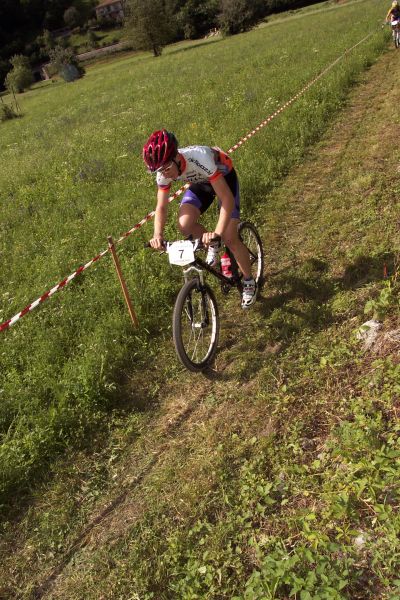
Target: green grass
[(80, 42), (72, 174), (276, 477)]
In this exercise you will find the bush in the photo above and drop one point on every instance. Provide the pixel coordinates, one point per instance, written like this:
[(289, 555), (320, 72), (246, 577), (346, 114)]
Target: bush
[(7, 112), (69, 73), (93, 24), (106, 23), (20, 78), (66, 64), (92, 39), (237, 16), (71, 17)]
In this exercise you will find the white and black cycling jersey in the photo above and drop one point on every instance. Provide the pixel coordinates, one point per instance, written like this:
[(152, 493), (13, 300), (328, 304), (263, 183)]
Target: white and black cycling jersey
[(199, 164)]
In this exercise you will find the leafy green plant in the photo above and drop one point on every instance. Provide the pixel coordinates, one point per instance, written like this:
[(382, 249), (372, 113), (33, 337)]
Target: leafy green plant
[(7, 112), (388, 299), (20, 78), (64, 62)]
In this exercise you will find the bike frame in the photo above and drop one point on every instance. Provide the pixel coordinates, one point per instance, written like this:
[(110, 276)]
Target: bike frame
[(395, 28), (199, 266)]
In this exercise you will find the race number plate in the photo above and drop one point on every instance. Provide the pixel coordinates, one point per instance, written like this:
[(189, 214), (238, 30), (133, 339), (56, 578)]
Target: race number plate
[(181, 253)]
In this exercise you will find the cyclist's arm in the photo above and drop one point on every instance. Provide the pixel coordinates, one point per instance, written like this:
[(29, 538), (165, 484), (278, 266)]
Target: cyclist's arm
[(227, 200), (160, 218)]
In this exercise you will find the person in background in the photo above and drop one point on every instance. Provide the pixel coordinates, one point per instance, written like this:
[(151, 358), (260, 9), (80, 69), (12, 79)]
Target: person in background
[(393, 13)]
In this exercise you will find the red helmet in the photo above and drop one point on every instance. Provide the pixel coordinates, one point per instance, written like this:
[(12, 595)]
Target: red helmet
[(160, 148)]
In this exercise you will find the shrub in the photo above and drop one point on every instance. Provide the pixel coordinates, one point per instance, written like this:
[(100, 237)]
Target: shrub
[(71, 17), (92, 39), (69, 73), (237, 16), (7, 112), (66, 64), (20, 78)]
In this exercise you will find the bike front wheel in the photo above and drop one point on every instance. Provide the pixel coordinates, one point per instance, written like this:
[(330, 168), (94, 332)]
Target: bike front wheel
[(251, 239), (195, 325)]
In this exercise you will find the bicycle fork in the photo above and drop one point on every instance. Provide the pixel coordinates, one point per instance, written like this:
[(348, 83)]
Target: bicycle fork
[(199, 275)]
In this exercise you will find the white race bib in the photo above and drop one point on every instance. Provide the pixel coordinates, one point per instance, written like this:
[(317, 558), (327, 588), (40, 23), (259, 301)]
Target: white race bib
[(181, 253)]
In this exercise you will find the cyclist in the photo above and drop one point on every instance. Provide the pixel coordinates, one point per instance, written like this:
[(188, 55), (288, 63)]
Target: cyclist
[(210, 173), (393, 12)]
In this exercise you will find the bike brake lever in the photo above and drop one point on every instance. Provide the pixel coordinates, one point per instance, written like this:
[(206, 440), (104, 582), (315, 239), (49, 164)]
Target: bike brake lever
[(148, 245)]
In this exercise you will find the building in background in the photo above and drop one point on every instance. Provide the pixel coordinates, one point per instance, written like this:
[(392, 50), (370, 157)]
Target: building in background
[(110, 9)]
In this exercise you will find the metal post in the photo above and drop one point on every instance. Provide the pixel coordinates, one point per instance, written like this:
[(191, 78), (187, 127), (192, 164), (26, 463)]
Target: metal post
[(122, 282)]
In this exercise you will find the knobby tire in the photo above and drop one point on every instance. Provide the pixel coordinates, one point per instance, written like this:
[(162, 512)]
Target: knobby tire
[(195, 325), (251, 239)]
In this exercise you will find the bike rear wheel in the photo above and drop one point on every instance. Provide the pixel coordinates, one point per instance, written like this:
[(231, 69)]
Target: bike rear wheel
[(251, 239), (195, 325)]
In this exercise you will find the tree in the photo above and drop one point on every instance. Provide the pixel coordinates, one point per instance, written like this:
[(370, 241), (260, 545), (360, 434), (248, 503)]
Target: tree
[(71, 17), (20, 77), (237, 16), (148, 26), (20, 61), (196, 17), (86, 9), (45, 42)]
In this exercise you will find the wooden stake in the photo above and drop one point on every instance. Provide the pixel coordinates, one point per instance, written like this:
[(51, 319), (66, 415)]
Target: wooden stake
[(122, 282)]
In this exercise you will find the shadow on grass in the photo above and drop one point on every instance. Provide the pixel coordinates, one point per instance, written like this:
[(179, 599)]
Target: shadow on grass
[(367, 269), (315, 288), (124, 492), (302, 303)]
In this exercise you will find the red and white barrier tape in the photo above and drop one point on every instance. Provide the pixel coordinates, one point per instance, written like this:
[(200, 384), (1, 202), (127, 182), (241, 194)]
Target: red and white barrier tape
[(150, 215), (296, 97), (64, 282), (53, 290)]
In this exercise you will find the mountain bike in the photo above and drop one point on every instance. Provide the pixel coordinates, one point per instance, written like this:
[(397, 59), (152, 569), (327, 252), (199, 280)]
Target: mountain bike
[(395, 24), (195, 320)]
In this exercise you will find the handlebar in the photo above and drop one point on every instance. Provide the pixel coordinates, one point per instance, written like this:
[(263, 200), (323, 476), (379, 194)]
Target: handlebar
[(196, 242)]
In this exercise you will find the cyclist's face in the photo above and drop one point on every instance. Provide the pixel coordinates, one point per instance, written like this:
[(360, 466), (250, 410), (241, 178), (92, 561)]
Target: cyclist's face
[(170, 170)]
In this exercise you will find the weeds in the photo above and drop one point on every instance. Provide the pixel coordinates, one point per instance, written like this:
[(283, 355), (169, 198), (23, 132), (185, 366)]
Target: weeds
[(281, 478)]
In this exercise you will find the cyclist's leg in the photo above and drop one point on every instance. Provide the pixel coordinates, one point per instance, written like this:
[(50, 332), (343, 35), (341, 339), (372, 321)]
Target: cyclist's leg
[(194, 202), (187, 221), (238, 249), (231, 235), (242, 256)]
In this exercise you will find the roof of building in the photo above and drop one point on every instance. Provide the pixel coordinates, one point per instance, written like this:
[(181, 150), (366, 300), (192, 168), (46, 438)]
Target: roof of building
[(107, 2)]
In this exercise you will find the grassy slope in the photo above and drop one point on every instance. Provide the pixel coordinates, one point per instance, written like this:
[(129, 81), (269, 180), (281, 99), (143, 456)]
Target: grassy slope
[(72, 174), (218, 458), (278, 474)]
